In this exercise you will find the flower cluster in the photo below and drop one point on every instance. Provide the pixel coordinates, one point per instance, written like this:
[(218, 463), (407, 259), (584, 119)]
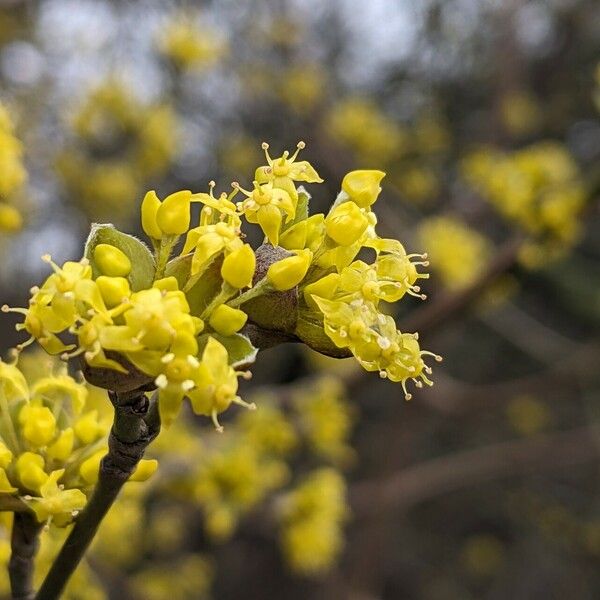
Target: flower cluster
[(458, 253), (325, 419), (13, 174), (538, 188), (412, 153), (187, 44), (181, 322), (311, 519), (230, 475), (117, 144), (52, 437)]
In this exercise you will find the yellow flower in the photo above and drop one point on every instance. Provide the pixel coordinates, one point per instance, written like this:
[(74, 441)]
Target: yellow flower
[(373, 339), (63, 446), (346, 223), (10, 218), (90, 467), (114, 290), (363, 186), (218, 388), (149, 212), (289, 272), (207, 241), (144, 470), (54, 500), (283, 171), (238, 267), (308, 233), (30, 470), (302, 86), (153, 319), (180, 373), (266, 205), (12, 382), (360, 124), (189, 45), (54, 307), (88, 427), (226, 320), (173, 215), (38, 424), (5, 456), (458, 253), (311, 518), (111, 261), (5, 486)]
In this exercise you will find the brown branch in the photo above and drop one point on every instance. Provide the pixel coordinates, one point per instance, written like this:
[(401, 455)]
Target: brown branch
[(24, 545), (432, 478), (136, 424), (450, 304)]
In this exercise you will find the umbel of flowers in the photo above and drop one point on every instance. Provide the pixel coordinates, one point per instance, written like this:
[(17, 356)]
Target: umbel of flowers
[(52, 437), (191, 322)]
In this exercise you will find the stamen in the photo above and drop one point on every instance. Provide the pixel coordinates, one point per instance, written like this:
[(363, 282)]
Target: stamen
[(22, 345), (188, 385), (161, 381), (167, 358), (249, 405), (215, 419), (193, 361)]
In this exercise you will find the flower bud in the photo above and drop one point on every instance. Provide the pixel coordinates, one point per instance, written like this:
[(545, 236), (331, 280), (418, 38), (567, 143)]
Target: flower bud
[(238, 267), (38, 424), (30, 470), (323, 288), (150, 206), (289, 272), (145, 469), (363, 186), (87, 429), (113, 289), (61, 449), (173, 215), (12, 382), (346, 223), (5, 485), (166, 284), (112, 261), (5, 456), (295, 237), (90, 468), (226, 320), (10, 218)]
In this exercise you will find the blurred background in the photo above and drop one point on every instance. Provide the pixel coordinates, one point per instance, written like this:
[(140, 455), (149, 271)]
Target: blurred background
[(485, 116)]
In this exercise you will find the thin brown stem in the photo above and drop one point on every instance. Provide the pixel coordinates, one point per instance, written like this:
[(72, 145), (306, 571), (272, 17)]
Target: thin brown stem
[(135, 425)]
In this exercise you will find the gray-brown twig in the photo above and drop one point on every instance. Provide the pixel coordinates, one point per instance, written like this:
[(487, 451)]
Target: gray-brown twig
[(136, 424)]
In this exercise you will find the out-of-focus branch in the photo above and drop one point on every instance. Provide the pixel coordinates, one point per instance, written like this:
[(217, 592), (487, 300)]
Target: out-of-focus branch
[(421, 482), (450, 304)]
